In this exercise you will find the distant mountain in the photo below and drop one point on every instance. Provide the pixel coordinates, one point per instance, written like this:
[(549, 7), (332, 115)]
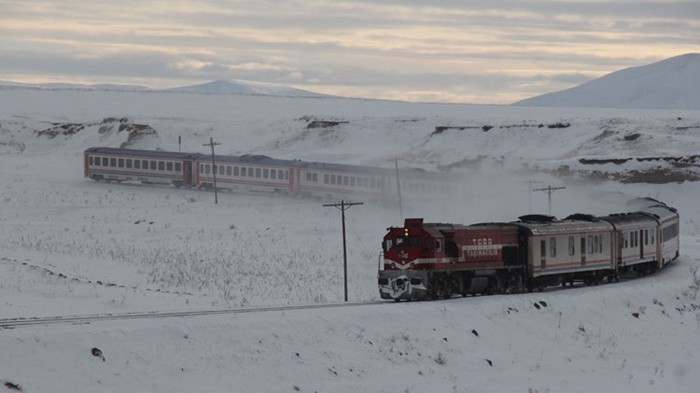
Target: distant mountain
[(234, 86), (73, 86), (673, 83)]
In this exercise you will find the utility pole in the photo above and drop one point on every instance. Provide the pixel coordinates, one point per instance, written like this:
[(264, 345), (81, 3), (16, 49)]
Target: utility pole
[(549, 190), (529, 199), (213, 166), (343, 206), (398, 188), (179, 143)]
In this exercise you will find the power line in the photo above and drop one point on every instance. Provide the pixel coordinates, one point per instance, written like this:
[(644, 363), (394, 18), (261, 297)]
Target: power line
[(213, 167), (343, 206), (549, 190)]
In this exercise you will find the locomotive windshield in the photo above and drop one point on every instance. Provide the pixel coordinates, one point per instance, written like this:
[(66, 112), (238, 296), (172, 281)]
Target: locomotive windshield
[(406, 241)]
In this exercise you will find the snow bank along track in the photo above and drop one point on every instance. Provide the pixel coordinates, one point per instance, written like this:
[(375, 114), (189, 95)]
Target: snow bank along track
[(11, 323)]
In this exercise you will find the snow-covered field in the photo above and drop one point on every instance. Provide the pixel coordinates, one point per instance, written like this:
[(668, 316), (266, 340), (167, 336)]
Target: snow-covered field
[(72, 246)]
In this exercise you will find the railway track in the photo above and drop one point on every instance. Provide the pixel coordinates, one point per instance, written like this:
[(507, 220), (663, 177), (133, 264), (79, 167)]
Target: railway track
[(11, 323)]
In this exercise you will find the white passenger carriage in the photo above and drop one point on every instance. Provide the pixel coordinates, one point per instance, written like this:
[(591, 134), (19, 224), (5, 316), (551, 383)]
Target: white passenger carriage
[(635, 246), (145, 166), (578, 247), (667, 248), (244, 173)]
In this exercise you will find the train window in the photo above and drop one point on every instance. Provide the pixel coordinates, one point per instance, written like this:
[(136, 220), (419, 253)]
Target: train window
[(315, 177), (169, 166), (414, 241), (273, 174), (236, 171), (266, 173), (543, 248), (128, 163), (153, 165), (572, 246), (178, 167), (258, 172), (553, 246), (121, 163), (651, 236), (388, 244), (137, 164), (221, 169), (590, 244), (600, 244), (625, 237), (646, 237), (161, 165), (374, 183), (352, 181), (365, 181), (308, 176), (207, 169), (635, 239), (92, 161), (596, 243), (346, 181), (438, 245), (332, 179)]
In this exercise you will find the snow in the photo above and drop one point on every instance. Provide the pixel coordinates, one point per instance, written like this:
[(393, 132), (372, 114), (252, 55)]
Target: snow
[(673, 83), (70, 246)]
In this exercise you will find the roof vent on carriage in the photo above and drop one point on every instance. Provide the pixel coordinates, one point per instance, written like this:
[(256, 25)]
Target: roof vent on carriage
[(543, 218), (582, 217)]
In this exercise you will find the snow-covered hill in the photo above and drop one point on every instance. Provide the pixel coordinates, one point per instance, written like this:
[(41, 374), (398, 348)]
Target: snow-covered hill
[(235, 86), (673, 83), (224, 86), (70, 246)]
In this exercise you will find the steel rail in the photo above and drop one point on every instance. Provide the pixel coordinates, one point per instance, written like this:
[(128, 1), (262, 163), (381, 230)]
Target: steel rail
[(10, 323)]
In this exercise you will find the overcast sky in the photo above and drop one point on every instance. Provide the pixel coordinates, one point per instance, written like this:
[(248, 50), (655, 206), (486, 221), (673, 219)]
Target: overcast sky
[(482, 51)]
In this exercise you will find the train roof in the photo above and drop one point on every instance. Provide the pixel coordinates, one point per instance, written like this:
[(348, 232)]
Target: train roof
[(555, 227), (662, 213), (627, 221), (142, 153)]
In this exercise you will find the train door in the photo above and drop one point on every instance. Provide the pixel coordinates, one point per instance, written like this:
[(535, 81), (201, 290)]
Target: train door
[(294, 181), (641, 244), (187, 173), (583, 250)]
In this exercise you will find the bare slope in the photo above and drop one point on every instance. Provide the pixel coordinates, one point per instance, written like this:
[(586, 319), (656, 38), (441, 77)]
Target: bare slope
[(669, 84)]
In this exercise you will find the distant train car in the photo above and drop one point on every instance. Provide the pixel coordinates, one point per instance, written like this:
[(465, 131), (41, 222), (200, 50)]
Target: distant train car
[(146, 166), (245, 173), (259, 173)]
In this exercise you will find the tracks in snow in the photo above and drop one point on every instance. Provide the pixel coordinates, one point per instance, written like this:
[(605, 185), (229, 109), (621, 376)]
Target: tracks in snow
[(11, 323)]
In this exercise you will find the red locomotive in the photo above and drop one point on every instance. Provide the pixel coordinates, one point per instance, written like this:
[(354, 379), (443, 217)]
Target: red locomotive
[(433, 260)]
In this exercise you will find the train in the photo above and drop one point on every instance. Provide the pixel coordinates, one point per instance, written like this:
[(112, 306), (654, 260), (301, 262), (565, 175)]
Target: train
[(438, 260), (259, 173)]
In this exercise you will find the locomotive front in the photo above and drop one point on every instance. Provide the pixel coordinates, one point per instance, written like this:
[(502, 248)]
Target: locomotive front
[(409, 254)]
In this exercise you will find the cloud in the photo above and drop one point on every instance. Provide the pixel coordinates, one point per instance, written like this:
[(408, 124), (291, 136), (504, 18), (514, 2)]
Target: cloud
[(445, 49)]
